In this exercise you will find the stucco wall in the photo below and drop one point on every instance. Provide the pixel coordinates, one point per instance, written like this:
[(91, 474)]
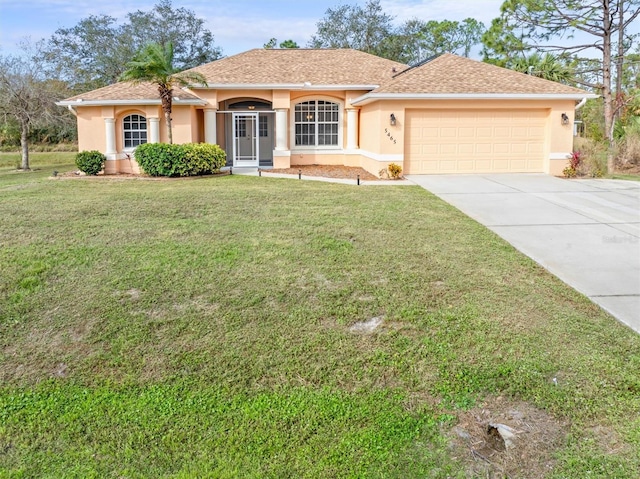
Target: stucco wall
[(91, 129)]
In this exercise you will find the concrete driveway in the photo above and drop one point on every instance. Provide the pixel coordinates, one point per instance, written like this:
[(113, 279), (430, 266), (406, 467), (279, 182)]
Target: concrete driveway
[(586, 232)]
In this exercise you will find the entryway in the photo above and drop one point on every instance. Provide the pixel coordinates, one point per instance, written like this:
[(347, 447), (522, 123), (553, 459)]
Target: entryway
[(250, 134)]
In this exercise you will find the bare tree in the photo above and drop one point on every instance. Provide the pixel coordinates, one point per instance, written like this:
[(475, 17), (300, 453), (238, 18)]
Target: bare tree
[(26, 96), (549, 25)]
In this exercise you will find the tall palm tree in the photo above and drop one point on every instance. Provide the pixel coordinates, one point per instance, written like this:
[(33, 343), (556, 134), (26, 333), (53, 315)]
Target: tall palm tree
[(154, 64), (548, 67)]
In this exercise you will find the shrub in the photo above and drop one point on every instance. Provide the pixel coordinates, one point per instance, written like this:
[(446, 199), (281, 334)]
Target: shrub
[(571, 171), (594, 157), (628, 146), (90, 162), (191, 159), (159, 159), (394, 171), (202, 158)]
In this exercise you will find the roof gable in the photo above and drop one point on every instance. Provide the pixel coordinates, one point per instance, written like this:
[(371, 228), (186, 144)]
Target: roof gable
[(451, 74)]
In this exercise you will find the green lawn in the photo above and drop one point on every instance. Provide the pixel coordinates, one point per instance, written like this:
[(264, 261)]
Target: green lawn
[(200, 328)]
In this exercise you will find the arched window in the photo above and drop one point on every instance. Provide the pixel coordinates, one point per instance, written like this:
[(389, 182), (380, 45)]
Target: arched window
[(135, 130), (317, 123)]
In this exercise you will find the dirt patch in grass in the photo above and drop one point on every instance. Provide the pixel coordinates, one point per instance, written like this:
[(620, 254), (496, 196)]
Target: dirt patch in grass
[(524, 448), (328, 171)]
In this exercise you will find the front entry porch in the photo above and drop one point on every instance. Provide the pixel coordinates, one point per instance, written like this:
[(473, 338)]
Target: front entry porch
[(249, 133)]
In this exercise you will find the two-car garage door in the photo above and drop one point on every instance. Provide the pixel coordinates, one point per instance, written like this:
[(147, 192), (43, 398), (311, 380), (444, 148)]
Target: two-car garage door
[(474, 141)]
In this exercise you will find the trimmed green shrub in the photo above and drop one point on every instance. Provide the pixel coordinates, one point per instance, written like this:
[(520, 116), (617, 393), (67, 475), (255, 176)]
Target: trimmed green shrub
[(203, 158), (159, 159), (90, 162), (191, 159)]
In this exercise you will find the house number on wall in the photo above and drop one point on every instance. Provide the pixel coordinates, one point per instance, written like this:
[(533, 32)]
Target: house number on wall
[(391, 138)]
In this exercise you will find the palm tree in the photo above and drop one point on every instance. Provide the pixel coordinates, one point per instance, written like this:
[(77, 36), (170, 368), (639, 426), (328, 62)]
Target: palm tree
[(548, 67), (154, 64)]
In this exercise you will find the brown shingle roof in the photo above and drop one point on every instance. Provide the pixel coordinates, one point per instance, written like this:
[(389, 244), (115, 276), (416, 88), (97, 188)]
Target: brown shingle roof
[(129, 91), (450, 73), (297, 66)]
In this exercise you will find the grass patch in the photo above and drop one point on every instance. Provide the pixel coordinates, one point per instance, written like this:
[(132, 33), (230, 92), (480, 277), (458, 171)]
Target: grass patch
[(201, 328), (625, 176)]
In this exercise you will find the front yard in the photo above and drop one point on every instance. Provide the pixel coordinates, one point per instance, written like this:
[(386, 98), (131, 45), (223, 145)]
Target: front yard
[(202, 328)]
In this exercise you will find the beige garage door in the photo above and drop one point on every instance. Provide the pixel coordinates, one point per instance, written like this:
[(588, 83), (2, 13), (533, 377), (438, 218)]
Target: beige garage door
[(474, 141)]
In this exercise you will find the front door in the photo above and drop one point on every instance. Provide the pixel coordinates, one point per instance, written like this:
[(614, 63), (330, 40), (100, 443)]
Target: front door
[(246, 147)]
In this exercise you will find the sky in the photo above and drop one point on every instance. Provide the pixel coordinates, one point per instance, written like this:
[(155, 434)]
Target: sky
[(237, 25)]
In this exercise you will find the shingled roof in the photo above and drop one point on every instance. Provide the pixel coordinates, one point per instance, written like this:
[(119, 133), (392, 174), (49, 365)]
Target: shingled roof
[(298, 66), (126, 91), (446, 76), (450, 73)]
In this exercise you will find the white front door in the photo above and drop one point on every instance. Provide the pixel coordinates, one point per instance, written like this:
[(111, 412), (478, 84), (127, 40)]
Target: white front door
[(246, 145)]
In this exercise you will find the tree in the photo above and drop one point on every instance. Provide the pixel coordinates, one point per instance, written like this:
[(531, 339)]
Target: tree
[(539, 24), (352, 26), (155, 64), (289, 44), (545, 66), (271, 44), (450, 36), (94, 52), (26, 96), (192, 43), (416, 40), (286, 44)]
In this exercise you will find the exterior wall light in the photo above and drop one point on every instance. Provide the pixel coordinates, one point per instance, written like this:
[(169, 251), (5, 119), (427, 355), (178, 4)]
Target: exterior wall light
[(392, 120), (565, 119)]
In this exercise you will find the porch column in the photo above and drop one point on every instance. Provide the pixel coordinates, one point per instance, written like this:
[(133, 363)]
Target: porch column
[(210, 135), (154, 130), (281, 129), (110, 129), (352, 129)]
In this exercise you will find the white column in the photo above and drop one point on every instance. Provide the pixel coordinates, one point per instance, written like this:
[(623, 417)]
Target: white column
[(154, 130), (110, 129), (210, 131), (281, 129), (352, 129)]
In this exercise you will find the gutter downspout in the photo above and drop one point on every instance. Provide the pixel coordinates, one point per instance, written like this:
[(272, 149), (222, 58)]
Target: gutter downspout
[(75, 113), (581, 104)]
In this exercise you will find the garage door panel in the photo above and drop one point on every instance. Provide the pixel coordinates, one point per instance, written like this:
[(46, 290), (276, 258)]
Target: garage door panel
[(465, 164), (466, 149), (449, 150), (475, 141), (482, 165), (448, 165), (502, 148), (520, 149), (484, 148), (501, 165), (519, 132)]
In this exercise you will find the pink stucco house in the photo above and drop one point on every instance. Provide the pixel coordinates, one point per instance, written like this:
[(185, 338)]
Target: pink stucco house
[(291, 107)]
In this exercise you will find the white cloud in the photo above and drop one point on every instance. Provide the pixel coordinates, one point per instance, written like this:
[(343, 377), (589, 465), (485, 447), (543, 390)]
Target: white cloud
[(482, 10)]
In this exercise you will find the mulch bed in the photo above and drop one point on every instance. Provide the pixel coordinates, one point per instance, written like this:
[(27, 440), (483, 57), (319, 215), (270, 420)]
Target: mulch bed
[(327, 171)]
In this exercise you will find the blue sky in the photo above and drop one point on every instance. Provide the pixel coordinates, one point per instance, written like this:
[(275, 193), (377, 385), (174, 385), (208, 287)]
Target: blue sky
[(237, 25)]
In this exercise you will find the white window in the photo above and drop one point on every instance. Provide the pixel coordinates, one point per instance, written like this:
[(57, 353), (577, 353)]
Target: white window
[(135, 130), (317, 123)]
